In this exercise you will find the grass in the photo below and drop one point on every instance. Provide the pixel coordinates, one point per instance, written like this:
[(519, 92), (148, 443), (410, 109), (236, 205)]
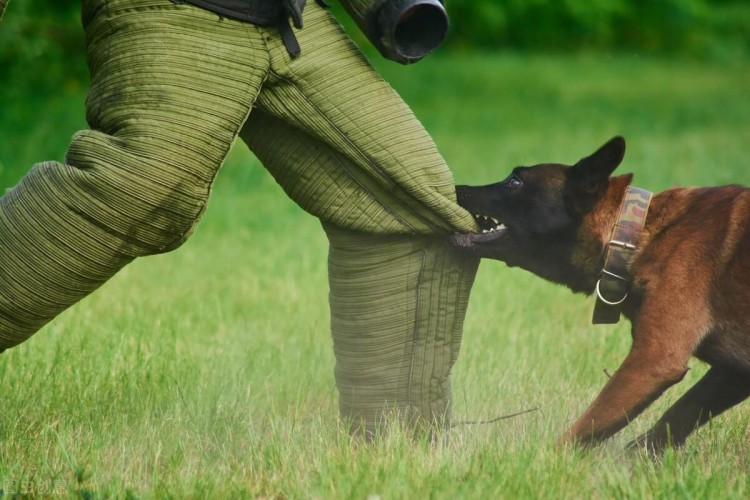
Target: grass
[(208, 372)]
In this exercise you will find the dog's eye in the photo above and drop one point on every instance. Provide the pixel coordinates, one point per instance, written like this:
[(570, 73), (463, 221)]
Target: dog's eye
[(514, 182)]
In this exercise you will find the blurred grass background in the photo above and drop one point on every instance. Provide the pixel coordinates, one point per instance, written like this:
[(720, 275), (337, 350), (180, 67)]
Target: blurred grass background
[(207, 372)]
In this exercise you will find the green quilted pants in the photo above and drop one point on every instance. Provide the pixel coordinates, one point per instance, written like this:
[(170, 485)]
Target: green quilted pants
[(171, 87)]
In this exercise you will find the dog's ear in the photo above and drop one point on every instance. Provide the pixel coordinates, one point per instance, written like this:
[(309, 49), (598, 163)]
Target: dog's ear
[(592, 171), (589, 178)]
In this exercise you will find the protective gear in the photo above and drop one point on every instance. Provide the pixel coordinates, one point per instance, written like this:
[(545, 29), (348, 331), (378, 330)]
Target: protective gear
[(334, 135)]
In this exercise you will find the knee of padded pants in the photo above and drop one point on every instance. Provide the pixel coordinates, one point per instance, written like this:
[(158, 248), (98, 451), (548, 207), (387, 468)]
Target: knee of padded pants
[(133, 193)]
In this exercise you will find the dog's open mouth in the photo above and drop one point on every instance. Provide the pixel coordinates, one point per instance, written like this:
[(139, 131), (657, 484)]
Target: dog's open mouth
[(490, 230)]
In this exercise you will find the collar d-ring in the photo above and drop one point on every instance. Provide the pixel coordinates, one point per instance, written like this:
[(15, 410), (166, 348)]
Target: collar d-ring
[(608, 302)]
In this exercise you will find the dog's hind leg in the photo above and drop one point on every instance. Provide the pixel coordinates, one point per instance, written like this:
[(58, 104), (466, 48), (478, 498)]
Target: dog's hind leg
[(717, 391)]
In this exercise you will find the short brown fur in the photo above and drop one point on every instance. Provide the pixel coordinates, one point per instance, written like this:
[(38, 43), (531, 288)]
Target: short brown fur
[(689, 289)]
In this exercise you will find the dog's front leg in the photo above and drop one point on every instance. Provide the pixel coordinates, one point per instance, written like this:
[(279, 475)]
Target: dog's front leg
[(653, 364)]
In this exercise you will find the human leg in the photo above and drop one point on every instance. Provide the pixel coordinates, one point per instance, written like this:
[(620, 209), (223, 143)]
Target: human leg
[(170, 87), (345, 147), (398, 301)]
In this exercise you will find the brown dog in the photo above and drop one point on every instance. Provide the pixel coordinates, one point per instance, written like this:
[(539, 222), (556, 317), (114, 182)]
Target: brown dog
[(680, 274)]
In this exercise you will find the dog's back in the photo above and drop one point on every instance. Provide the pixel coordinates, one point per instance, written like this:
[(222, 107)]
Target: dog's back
[(699, 243)]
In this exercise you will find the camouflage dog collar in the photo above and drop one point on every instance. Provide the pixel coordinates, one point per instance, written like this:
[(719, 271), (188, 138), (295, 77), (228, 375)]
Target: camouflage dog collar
[(614, 282)]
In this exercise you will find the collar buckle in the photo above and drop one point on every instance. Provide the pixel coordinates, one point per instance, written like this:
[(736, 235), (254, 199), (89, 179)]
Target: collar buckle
[(621, 244), (620, 251)]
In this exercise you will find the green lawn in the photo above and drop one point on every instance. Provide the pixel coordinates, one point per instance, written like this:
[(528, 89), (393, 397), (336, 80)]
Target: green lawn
[(208, 372)]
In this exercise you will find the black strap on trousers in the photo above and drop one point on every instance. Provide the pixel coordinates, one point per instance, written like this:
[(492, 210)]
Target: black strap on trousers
[(263, 13), (294, 10)]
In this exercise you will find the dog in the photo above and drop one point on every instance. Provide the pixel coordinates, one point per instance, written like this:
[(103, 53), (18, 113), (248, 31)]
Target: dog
[(676, 264)]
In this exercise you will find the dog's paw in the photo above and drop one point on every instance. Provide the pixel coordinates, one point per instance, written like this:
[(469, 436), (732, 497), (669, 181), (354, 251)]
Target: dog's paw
[(647, 443)]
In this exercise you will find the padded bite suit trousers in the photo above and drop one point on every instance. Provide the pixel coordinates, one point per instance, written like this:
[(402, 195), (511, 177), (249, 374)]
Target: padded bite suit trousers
[(171, 88)]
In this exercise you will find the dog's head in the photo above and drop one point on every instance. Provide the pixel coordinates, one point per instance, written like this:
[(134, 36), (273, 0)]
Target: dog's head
[(535, 213)]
